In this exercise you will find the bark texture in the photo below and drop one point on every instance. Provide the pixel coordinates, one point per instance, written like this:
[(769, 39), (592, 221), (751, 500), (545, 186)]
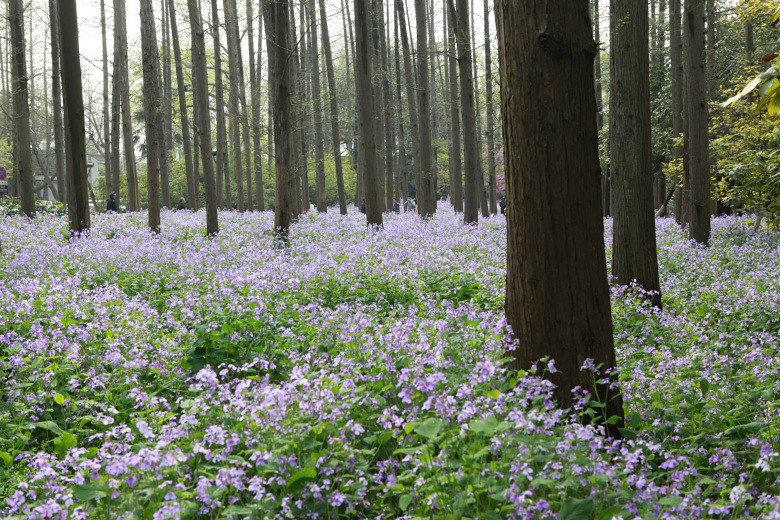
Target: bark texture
[(150, 60)]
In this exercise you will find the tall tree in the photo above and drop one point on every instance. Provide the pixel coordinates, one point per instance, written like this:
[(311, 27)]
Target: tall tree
[(319, 139), (460, 18), (23, 149), (128, 144), (633, 246), (557, 298), (386, 106), (426, 195), (676, 77), (606, 202), (223, 177), (165, 132), (255, 69), (410, 94), (490, 117), (234, 120), (403, 164), (366, 113), (192, 181), (75, 137), (276, 15), (150, 59), (334, 111), (696, 174), (106, 107), (202, 116), (56, 95)]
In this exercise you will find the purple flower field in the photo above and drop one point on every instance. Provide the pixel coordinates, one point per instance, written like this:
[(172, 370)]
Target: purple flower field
[(359, 374)]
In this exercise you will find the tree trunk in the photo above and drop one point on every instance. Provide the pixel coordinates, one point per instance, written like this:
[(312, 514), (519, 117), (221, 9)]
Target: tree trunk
[(120, 40), (276, 15), (334, 113), (202, 115), (460, 22), (234, 119), (221, 158), (106, 110), (750, 46), (388, 118), (676, 76), (19, 79), (403, 168), (425, 195), (633, 245), (557, 298), (491, 145), (410, 95), (254, 92), (696, 177), (56, 95), (484, 196), (165, 116), (116, 125), (78, 202), (192, 181), (366, 115), (152, 109), (316, 93)]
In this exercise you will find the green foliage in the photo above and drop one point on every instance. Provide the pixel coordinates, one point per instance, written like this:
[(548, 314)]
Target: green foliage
[(12, 206)]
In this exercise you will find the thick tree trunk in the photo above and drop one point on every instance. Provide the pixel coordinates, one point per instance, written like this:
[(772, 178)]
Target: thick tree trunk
[(255, 68), (316, 93), (276, 15), (164, 136), (56, 95), (676, 77), (78, 202), (696, 177), (120, 40), (19, 83), (202, 116), (223, 177), (334, 112), (152, 108), (366, 115), (557, 298), (471, 153), (633, 245), (192, 181), (234, 119), (425, 192)]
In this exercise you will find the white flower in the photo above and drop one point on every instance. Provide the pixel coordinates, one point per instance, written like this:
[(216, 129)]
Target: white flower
[(737, 492)]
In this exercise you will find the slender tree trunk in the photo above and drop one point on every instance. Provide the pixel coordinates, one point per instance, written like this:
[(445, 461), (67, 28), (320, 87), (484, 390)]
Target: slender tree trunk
[(254, 90), (78, 202), (120, 39), (750, 46), (234, 116), (490, 132), (426, 195), (152, 108), (388, 118), (605, 177), (633, 245), (473, 187), (19, 83), (334, 113), (557, 298), (410, 95), (116, 126), (696, 179), (202, 116), (223, 178), (56, 95), (164, 138), (403, 169), (319, 140), (106, 110), (484, 202), (367, 114), (676, 76), (192, 181)]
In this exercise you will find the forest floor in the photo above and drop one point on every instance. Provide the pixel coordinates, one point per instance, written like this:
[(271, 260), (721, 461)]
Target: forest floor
[(358, 374)]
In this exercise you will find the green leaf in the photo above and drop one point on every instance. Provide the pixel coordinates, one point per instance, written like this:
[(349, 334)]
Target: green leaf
[(743, 430), (59, 399), (575, 509), (7, 458), (65, 442), (486, 427), (610, 513), (627, 433), (405, 500), (704, 384), (49, 425), (494, 394), (86, 492), (491, 515), (297, 481), (429, 428), (671, 501)]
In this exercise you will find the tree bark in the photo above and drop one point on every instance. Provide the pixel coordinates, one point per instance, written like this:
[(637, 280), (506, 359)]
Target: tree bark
[(120, 40), (107, 151), (366, 115), (192, 181), (676, 77), (557, 298), (403, 168), (78, 202), (388, 118), (223, 177), (234, 119), (152, 108), (202, 116), (633, 245), (473, 186), (56, 95), (316, 93), (334, 112), (490, 131), (254, 92), (164, 136), (750, 46), (696, 177), (425, 191), (19, 84)]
